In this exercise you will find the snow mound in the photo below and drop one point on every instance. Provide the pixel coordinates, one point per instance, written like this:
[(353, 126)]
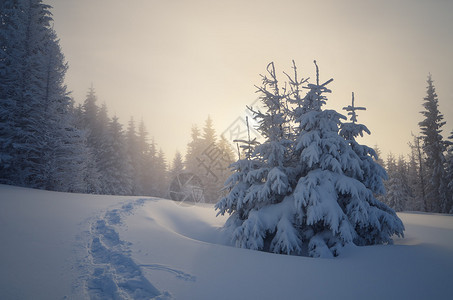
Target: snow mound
[(193, 222)]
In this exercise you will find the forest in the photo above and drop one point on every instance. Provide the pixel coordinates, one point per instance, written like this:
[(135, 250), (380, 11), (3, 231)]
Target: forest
[(48, 140)]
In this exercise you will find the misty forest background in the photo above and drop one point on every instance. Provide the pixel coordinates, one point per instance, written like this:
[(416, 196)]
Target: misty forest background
[(48, 141)]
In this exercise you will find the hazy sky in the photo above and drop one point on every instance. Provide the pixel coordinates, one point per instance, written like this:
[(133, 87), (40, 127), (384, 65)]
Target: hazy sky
[(173, 63)]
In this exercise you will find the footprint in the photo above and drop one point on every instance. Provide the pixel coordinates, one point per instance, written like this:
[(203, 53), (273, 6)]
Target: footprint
[(179, 274)]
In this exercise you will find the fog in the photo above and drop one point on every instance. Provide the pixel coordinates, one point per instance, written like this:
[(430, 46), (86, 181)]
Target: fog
[(173, 63)]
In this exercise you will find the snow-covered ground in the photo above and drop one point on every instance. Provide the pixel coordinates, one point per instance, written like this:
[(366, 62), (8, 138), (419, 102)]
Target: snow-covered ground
[(73, 246)]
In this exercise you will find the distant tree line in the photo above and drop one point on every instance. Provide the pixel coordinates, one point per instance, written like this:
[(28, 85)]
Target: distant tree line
[(48, 143), (423, 181), (121, 162)]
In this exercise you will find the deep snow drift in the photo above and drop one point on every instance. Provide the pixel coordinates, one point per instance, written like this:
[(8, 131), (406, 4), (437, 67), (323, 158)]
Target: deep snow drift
[(57, 245)]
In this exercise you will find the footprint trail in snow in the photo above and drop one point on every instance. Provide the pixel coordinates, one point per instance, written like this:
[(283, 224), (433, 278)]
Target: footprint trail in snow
[(112, 272)]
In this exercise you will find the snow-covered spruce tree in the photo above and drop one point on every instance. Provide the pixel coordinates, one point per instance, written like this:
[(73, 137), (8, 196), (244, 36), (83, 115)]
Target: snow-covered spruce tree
[(151, 158), (373, 221), (133, 151), (434, 148), (161, 174), (90, 173), (24, 31), (306, 193), (193, 150), (335, 194), (240, 168), (415, 200), (145, 166), (205, 168), (116, 166), (208, 157), (39, 138), (378, 157), (65, 149), (397, 194), (418, 184), (226, 157), (262, 180), (235, 202), (449, 158), (12, 51), (403, 172), (177, 166)]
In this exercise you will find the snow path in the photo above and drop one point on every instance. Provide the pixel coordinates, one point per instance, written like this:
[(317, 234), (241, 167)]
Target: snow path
[(114, 275)]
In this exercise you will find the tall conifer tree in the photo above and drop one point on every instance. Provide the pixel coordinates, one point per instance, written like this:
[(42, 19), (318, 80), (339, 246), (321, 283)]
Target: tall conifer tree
[(434, 148)]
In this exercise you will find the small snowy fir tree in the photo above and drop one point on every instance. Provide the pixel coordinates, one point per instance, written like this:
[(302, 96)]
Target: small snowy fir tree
[(371, 174), (306, 192)]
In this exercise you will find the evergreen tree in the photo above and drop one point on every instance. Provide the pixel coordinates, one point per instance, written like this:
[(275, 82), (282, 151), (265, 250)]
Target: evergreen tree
[(25, 30), (90, 173), (177, 167), (88, 121), (306, 190), (416, 202), (374, 221), (65, 150), (209, 135), (133, 152), (378, 158), (268, 175), (417, 156), (449, 170), (40, 144), (116, 167), (206, 158), (96, 124), (434, 148), (12, 49), (161, 176), (398, 192), (151, 173), (237, 186), (89, 116), (193, 151), (145, 158), (226, 158)]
